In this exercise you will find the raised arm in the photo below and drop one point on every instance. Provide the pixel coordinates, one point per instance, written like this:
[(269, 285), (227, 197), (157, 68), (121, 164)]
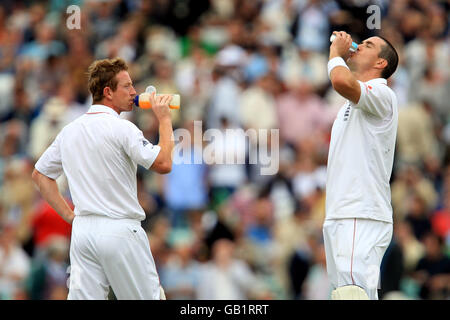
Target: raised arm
[(342, 79), (160, 106), (50, 192)]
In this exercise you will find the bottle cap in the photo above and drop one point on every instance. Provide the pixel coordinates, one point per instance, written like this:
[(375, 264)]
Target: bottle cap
[(150, 89), (136, 100)]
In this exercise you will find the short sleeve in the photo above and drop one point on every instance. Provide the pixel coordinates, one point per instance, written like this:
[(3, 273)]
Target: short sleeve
[(50, 164), (139, 149), (375, 99)]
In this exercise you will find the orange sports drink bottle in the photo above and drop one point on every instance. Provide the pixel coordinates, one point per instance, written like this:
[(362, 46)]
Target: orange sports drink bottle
[(143, 100)]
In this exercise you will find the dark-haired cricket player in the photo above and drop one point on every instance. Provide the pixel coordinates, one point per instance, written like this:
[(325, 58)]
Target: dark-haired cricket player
[(358, 223)]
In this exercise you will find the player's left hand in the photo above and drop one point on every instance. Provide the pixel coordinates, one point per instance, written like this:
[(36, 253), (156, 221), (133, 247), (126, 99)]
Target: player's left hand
[(70, 217), (162, 295)]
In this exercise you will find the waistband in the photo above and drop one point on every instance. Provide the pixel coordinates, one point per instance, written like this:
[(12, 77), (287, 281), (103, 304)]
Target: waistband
[(96, 219)]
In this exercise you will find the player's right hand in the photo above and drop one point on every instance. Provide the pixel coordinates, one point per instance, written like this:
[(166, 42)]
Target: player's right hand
[(160, 105), (341, 44)]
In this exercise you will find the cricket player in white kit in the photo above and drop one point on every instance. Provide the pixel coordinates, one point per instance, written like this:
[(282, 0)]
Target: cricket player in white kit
[(99, 153), (358, 223)]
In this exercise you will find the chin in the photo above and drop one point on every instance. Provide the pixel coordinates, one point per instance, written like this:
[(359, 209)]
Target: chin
[(350, 64)]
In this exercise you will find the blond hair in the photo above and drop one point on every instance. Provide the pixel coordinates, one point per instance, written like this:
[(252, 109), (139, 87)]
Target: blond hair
[(102, 74)]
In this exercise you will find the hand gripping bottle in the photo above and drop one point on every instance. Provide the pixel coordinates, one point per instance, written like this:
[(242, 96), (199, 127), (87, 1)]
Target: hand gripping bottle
[(143, 100), (353, 47)]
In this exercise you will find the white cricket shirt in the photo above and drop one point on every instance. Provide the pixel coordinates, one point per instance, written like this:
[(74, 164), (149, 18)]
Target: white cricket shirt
[(99, 153), (361, 155)]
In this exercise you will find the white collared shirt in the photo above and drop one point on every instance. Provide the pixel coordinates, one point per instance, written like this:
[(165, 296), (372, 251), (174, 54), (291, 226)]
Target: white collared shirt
[(99, 153), (361, 155)]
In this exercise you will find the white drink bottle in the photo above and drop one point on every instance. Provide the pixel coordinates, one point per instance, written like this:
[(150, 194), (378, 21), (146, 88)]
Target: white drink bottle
[(353, 47), (143, 100)]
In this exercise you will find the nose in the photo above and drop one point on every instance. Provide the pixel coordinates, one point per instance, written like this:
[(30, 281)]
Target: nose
[(133, 91)]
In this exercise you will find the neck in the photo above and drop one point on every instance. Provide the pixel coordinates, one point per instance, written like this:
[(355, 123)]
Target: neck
[(366, 76), (108, 104)]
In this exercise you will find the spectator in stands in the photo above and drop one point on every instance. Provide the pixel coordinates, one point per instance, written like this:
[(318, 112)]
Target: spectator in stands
[(225, 277), (433, 270), (14, 263), (181, 275)]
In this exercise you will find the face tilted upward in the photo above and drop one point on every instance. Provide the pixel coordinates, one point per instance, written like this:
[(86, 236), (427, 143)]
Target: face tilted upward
[(366, 56)]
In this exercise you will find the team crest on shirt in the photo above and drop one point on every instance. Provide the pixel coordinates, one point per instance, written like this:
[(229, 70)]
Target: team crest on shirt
[(145, 142)]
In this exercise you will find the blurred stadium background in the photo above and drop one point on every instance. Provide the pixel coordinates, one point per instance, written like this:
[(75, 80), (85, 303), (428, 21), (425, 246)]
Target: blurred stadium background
[(216, 231)]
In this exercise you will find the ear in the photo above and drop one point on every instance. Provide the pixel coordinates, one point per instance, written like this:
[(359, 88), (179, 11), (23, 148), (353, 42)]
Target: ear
[(381, 63), (107, 93)]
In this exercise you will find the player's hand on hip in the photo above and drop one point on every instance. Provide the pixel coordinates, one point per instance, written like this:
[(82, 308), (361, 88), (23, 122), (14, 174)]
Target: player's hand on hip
[(162, 294), (160, 105), (70, 217), (341, 45)]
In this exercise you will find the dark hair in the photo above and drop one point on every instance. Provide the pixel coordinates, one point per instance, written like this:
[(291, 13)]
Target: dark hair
[(389, 53), (431, 234), (102, 74)]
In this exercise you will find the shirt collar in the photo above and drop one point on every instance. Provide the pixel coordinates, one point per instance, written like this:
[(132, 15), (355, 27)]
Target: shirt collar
[(99, 108), (377, 81)]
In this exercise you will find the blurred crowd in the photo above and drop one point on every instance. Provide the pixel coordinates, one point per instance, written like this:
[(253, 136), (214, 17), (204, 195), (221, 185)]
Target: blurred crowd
[(226, 231)]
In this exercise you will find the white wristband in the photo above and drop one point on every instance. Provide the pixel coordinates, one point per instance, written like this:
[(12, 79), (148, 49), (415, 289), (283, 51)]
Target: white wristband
[(335, 62)]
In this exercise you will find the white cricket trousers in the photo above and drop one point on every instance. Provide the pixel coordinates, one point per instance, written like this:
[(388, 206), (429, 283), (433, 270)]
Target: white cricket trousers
[(111, 252), (354, 249)]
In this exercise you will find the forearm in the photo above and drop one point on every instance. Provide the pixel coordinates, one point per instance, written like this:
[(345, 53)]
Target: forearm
[(340, 73), (166, 136), (343, 80), (50, 192), (166, 143)]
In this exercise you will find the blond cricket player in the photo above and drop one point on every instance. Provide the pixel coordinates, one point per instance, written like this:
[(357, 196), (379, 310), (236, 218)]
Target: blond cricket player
[(99, 153), (358, 224)]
